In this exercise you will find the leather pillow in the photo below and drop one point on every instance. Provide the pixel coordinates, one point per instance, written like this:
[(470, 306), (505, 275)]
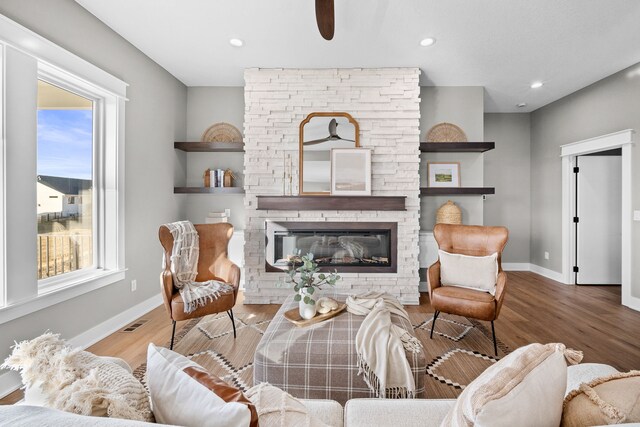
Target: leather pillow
[(184, 393), (473, 272), (610, 400)]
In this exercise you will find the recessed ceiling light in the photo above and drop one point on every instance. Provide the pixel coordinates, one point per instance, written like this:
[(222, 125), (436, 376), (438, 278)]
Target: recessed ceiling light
[(521, 105), (536, 85), (427, 42), (236, 42)]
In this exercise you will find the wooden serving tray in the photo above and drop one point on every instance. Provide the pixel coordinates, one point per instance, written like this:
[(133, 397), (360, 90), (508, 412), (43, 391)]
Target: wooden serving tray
[(294, 317)]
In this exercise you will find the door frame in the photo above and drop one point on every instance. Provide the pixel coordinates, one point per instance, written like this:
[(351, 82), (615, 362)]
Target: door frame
[(622, 139)]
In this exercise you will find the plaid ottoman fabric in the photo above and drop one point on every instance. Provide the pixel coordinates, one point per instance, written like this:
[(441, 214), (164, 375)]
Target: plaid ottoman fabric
[(319, 361)]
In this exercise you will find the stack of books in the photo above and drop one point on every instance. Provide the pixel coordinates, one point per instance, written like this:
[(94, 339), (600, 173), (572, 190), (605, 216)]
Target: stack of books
[(217, 178), (216, 217)]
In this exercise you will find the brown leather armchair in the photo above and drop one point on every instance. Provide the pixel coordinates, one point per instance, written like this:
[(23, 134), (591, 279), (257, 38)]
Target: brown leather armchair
[(213, 263), (475, 241)]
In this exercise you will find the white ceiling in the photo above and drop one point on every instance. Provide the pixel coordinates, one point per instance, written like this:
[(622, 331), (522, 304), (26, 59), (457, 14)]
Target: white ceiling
[(503, 45)]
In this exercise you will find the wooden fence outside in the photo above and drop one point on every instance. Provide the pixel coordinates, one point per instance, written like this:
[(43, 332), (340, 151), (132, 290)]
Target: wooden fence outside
[(63, 253)]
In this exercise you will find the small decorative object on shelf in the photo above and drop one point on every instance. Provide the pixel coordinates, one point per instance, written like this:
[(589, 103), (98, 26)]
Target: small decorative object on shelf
[(446, 132), (207, 178), (229, 177), (449, 213), (306, 280), (441, 174), (222, 132)]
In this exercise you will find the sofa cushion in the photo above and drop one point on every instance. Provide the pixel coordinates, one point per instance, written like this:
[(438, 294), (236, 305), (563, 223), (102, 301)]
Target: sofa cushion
[(608, 400), (278, 408), (77, 381), (513, 391), (396, 412), (29, 416), (473, 272), (586, 372), (184, 393)]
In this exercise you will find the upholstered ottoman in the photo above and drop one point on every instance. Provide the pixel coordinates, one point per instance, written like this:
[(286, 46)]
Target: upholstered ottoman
[(319, 361)]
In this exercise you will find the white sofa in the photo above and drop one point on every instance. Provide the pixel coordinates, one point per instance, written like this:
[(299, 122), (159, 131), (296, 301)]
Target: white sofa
[(356, 413)]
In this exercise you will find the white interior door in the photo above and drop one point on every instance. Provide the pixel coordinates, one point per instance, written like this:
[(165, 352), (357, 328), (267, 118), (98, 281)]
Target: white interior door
[(599, 229)]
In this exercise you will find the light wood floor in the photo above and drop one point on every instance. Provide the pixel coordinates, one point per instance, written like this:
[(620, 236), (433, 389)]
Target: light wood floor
[(536, 309)]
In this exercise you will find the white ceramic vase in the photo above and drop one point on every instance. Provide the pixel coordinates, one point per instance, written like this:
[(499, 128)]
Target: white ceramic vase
[(307, 311)]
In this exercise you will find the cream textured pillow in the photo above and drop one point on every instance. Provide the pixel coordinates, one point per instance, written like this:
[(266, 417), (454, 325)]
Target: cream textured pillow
[(184, 393), (77, 381), (525, 388), (474, 272), (609, 400), (278, 408)]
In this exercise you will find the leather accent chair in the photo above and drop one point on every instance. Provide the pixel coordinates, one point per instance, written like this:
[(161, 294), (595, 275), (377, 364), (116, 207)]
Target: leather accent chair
[(475, 241), (213, 263)]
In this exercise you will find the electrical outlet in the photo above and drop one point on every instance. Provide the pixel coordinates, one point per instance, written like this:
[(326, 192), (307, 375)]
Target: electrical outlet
[(134, 285), (636, 215), (546, 255), (227, 212)]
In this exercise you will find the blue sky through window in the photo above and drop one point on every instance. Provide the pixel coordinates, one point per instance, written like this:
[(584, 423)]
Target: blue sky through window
[(65, 143)]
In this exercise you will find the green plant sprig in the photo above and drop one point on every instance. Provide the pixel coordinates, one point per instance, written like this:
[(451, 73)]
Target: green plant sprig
[(308, 277)]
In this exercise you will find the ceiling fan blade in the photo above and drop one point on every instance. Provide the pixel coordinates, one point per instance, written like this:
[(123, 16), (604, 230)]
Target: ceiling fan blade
[(316, 141), (325, 18)]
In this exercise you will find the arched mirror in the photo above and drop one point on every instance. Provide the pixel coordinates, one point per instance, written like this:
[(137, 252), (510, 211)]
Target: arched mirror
[(319, 133)]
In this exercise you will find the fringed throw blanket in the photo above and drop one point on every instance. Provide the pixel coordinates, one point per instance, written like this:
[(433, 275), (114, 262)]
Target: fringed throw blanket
[(381, 346), (184, 268)]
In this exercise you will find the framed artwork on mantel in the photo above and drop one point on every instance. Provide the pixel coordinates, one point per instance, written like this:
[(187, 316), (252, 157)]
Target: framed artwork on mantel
[(350, 171), (443, 174)]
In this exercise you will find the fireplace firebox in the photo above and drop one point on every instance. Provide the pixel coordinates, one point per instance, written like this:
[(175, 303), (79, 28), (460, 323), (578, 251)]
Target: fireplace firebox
[(348, 247)]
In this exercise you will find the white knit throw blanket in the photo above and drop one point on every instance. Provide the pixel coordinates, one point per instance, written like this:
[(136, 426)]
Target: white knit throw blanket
[(381, 346), (184, 268)]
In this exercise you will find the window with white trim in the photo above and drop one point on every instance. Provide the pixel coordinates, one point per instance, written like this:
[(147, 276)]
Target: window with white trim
[(62, 153)]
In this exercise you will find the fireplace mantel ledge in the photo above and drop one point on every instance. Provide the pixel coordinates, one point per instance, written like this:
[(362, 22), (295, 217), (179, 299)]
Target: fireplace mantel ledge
[(332, 203)]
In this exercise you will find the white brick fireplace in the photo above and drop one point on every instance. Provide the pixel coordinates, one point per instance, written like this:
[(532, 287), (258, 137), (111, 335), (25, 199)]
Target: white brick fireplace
[(386, 104)]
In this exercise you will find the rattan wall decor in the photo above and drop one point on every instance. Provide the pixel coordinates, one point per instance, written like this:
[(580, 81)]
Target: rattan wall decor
[(222, 132), (446, 132)]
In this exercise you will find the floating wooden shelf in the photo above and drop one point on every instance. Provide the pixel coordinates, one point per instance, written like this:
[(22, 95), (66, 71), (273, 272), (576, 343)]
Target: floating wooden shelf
[(208, 190), (219, 147), (462, 191), (456, 147), (329, 203)]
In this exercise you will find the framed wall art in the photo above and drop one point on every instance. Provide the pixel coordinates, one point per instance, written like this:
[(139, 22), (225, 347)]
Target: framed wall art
[(443, 174), (351, 172)]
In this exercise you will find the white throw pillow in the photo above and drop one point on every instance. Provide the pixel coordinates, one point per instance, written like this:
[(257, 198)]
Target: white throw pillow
[(61, 377), (473, 272), (183, 393), (525, 388), (278, 408)]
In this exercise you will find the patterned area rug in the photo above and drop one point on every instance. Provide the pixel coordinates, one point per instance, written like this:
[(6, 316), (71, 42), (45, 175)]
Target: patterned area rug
[(460, 350)]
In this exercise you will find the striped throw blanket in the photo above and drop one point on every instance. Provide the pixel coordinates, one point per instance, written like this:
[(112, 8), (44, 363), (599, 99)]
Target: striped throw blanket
[(184, 268)]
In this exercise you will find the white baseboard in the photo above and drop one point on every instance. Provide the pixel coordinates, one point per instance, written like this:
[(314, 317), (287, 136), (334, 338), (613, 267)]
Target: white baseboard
[(10, 381), (549, 274), (516, 266)]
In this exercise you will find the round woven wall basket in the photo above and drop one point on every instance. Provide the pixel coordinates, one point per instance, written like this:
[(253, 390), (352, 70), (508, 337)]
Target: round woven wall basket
[(222, 132), (449, 213), (446, 132)]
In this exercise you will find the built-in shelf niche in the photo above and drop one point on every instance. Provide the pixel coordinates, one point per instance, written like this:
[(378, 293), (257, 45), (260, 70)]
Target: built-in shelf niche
[(209, 147)]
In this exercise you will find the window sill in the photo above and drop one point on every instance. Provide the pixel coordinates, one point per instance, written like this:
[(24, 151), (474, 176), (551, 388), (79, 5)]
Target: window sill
[(56, 294)]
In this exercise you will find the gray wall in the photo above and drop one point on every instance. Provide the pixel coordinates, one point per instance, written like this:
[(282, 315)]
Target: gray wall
[(609, 105), (206, 106), (155, 117), (463, 106), (507, 168)]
